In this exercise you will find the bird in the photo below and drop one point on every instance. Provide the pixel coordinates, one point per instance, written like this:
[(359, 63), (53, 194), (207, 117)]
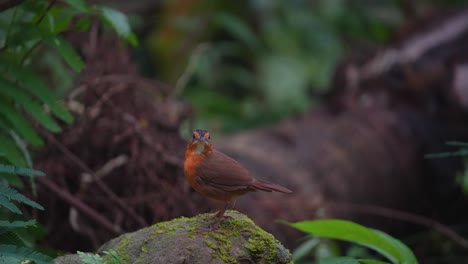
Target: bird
[(217, 176)]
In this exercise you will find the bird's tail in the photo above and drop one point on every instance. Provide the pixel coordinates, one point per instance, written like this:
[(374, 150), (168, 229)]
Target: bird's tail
[(269, 187)]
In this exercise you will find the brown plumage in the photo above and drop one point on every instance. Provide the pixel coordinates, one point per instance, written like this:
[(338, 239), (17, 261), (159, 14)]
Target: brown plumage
[(218, 176)]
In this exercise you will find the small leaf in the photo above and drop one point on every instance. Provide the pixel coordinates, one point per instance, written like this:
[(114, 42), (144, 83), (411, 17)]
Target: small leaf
[(16, 224), (5, 202), (21, 254), (338, 260), (79, 5), (89, 258), (20, 171), (38, 87), (12, 179), (20, 124), (386, 245), (12, 154), (12, 194), (119, 22), (83, 24), (239, 29), (305, 248), (371, 261), (34, 108), (68, 53)]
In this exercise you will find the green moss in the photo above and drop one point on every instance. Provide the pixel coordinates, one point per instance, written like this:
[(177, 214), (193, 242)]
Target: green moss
[(122, 248), (262, 245), (258, 245), (144, 248), (168, 227)]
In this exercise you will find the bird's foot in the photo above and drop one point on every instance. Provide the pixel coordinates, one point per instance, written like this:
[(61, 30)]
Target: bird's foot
[(215, 220)]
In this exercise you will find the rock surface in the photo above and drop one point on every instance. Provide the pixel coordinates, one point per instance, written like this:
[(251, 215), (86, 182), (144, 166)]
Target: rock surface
[(190, 240)]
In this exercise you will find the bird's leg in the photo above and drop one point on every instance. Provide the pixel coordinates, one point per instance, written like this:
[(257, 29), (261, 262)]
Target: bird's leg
[(220, 215), (221, 212)]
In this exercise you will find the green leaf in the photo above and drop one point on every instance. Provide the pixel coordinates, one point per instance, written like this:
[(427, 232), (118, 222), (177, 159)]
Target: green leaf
[(68, 53), (305, 248), (34, 108), (21, 254), (16, 224), (12, 194), (5, 202), (389, 247), (20, 124), (239, 29), (12, 154), (83, 24), (79, 5), (371, 261), (12, 179), (61, 18), (38, 87), (119, 22), (20, 171), (89, 258), (338, 260), (115, 259)]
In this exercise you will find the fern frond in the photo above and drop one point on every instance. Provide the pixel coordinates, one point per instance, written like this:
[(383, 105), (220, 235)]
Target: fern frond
[(12, 180), (68, 53), (20, 124), (11, 152), (20, 170), (10, 155), (21, 254), (16, 224), (89, 258), (12, 194), (32, 107), (35, 85), (6, 203), (24, 150), (13, 227)]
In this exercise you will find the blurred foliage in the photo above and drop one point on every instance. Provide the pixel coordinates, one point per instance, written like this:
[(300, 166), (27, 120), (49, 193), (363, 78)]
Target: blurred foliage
[(247, 63), (29, 33), (462, 151)]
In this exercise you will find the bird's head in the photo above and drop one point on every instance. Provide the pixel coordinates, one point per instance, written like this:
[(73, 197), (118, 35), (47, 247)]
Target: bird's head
[(200, 142)]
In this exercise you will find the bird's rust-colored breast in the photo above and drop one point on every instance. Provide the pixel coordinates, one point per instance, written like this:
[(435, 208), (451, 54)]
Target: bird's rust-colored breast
[(191, 164)]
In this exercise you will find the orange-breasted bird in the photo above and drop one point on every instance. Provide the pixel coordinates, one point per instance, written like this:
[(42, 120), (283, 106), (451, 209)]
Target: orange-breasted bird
[(218, 176)]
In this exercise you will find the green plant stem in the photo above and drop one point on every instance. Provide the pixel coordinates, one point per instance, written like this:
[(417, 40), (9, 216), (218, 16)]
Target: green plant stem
[(51, 4)]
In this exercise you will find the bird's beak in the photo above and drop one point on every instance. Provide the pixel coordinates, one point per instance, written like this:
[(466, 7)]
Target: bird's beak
[(198, 140)]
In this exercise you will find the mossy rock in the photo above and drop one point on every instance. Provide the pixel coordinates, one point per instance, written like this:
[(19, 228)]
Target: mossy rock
[(190, 240)]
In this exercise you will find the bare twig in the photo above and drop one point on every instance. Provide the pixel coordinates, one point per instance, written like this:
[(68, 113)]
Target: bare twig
[(108, 167), (82, 207), (106, 190), (119, 79), (416, 47), (400, 215), (51, 4)]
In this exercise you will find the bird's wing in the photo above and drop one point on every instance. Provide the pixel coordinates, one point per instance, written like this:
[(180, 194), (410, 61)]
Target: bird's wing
[(221, 171)]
